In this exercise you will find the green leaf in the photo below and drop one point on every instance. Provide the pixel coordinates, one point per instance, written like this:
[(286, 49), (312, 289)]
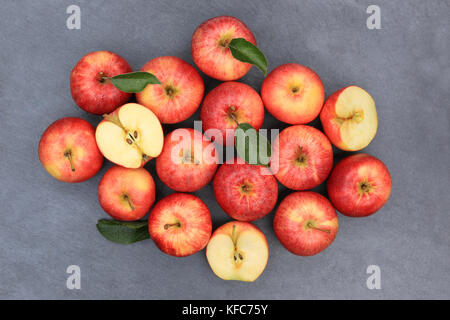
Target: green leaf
[(251, 146), (123, 232), (134, 81), (246, 51)]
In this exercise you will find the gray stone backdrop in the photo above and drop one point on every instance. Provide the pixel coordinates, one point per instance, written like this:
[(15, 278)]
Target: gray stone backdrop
[(46, 225)]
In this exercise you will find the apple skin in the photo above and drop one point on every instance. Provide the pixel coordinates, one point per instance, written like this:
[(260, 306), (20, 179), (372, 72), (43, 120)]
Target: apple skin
[(359, 185), (177, 169), (180, 93), (363, 124), (66, 141), (180, 224), (227, 101), (251, 251), (298, 219), (243, 192), (89, 91), (210, 51), (126, 194), (293, 93), (304, 155)]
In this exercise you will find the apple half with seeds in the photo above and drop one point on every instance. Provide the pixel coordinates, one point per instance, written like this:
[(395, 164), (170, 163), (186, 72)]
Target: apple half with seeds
[(130, 136), (238, 251)]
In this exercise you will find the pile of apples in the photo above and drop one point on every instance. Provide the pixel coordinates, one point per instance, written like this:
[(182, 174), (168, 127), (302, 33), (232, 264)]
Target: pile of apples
[(131, 134)]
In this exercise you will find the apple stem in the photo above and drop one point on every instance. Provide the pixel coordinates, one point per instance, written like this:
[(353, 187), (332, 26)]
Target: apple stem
[(364, 187), (231, 114), (102, 78), (168, 225), (113, 119), (301, 156), (68, 155), (129, 202), (233, 235), (310, 225)]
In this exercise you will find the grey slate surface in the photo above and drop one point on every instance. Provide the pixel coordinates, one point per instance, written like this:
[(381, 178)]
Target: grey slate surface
[(46, 225)]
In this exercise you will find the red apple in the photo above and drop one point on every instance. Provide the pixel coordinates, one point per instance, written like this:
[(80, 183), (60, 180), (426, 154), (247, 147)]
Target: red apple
[(91, 89), (305, 223), (359, 185), (293, 93), (180, 93), (68, 150), (209, 48), (304, 157), (130, 136), (238, 251), (180, 224), (188, 160), (245, 192), (228, 104), (126, 194), (349, 118)]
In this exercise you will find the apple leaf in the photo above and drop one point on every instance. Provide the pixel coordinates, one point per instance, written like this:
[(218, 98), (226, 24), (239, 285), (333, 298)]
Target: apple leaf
[(134, 81), (251, 146), (246, 51), (123, 232)]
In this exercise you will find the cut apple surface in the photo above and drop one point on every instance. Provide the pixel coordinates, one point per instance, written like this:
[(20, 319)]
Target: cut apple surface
[(130, 136), (238, 251), (349, 118)]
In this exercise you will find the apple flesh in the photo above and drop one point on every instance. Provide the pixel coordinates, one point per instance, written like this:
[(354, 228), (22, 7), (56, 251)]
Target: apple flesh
[(245, 192), (180, 93), (126, 194), (130, 136), (349, 118), (293, 93), (188, 160), (305, 223), (304, 156), (229, 104), (209, 48), (68, 150), (238, 251), (90, 85), (180, 224), (359, 185)]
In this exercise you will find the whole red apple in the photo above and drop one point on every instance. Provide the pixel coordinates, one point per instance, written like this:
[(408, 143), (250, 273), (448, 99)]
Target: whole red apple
[(245, 192), (68, 150), (188, 160), (305, 223), (227, 105), (304, 157), (293, 93), (180, 93), (126, 194), (180, 224), (209, 48), (359, 185), (89, 84)]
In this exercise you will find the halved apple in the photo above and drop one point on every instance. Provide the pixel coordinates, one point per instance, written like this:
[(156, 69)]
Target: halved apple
[(130, 136), (238, 251), (349, 118)]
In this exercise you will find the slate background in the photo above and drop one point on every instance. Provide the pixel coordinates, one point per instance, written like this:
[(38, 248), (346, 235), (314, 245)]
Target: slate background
[(46, 225)]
